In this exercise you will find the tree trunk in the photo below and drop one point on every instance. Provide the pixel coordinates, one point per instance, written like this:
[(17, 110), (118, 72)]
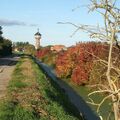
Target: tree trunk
[(108, 74)]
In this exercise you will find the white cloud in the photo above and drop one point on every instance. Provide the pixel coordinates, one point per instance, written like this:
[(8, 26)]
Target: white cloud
[(6, 22)]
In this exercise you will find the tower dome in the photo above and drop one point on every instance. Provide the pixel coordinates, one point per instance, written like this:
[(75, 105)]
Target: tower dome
[(37, 33)]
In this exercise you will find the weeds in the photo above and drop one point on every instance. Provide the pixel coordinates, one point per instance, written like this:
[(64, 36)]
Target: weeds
[(32, 96)]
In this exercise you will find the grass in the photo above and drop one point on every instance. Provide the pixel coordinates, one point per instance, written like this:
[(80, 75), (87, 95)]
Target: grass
[(32, 96), (50, 59), (83, 91)]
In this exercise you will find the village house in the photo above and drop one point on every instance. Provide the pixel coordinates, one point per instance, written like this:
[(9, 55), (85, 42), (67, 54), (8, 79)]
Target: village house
[(58, 48)]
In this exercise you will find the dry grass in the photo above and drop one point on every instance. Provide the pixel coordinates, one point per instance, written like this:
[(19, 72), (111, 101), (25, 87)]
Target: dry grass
[(27, 71), (32, 97), (31, 92)]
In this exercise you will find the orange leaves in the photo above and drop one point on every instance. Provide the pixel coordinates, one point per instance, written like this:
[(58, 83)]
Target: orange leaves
[(64, 65), (77, 61), (43, 52), (79, 75)]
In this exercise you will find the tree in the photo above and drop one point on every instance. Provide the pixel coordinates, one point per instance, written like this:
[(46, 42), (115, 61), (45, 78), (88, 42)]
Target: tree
[(109, 33), (111, 16), (1, 38), (0, 30), (24, 47), (5, 45)]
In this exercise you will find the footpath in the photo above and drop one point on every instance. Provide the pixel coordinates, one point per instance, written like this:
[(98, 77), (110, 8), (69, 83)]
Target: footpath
[(7, 66)]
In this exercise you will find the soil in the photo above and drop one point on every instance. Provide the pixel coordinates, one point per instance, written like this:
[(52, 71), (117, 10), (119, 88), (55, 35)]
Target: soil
[(7, 66)]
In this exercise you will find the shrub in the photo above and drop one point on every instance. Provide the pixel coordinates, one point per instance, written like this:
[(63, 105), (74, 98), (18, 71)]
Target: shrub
[(5, 47), (42, 52), (77, 61)]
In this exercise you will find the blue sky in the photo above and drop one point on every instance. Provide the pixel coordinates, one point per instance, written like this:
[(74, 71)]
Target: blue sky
[(21, 18)]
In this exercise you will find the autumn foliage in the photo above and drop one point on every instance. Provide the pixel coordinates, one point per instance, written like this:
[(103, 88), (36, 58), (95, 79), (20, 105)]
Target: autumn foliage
[(42, 52), (77, 62)]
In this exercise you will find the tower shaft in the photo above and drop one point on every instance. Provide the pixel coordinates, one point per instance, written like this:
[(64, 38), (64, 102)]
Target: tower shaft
[(37, 40)]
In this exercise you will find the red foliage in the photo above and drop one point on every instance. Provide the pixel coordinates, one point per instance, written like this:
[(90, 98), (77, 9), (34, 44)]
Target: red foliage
[(77, 61), (42, 52), (65, 64), (79, 75)]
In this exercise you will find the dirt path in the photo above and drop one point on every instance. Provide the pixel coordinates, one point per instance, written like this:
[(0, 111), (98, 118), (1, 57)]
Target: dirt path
[(7, 66)]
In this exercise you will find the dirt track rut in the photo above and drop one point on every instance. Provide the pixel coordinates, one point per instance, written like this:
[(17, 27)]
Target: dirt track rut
[(7, 66)]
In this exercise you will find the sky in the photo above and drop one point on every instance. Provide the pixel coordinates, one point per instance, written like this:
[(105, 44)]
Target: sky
[(21, 18)]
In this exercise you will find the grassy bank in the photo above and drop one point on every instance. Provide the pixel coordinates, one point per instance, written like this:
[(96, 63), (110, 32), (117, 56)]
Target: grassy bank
[(83, 91), (32, 96)]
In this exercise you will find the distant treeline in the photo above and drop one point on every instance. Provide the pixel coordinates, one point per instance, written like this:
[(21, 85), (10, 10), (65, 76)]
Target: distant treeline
[(5, 45), (24, 47)]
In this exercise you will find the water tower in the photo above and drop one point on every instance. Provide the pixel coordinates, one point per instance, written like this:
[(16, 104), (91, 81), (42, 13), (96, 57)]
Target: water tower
[(37, 40)]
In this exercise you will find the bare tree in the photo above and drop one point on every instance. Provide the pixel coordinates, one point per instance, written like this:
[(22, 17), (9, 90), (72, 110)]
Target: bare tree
[(110, 33), (111, 16)]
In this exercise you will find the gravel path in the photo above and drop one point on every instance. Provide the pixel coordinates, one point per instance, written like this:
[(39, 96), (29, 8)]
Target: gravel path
[(7, 66)]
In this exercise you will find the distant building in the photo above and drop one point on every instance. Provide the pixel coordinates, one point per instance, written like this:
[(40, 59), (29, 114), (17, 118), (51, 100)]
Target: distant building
[(16, 50), (58, 48), (37, 40), (19, 49)]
